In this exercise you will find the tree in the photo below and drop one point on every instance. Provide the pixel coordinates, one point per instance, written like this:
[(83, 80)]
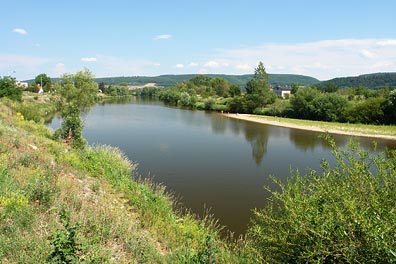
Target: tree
[(301, 102), (78, 93), (258, 92), (43, 80), (201, 80), (10, 89), (260, 73), (369, 111), (102, 87), (294, 87), (235, 90), (221, 87), (389, 107), (329, 107), (259, 84)]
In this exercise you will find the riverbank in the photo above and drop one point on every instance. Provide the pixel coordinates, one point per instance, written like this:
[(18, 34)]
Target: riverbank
[(359, 130), (59, 204)]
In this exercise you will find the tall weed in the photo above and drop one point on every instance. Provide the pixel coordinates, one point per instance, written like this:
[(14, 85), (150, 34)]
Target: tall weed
[(345, 214)]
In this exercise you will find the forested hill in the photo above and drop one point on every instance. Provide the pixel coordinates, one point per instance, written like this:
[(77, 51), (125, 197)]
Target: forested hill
[(372, 81), (241, 80)]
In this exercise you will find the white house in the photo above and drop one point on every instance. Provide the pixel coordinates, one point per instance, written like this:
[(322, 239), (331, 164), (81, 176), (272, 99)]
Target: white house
[(282, 91)]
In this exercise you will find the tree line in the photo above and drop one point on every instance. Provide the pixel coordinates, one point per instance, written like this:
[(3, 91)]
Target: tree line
[(322, 102)]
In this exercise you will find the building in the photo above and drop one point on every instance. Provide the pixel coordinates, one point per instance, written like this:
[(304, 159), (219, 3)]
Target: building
[(282, 91)]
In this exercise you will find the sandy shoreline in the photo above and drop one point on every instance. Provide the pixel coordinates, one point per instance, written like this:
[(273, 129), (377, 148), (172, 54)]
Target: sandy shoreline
[(263, 120)]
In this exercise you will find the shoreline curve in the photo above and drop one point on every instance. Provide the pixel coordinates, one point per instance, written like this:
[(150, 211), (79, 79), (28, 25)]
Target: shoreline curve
[(263, 120)]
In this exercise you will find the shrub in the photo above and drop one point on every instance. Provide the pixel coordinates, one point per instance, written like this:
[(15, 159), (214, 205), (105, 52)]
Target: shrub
[(344, 215), (65, 246), (10, 89)]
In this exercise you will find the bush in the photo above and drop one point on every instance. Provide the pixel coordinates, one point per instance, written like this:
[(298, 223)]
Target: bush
[(9, 88), (344, 215)]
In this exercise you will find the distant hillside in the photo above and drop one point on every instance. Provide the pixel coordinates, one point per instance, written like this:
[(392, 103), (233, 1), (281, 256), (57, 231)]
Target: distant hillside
[(241, 80), (372, 81)]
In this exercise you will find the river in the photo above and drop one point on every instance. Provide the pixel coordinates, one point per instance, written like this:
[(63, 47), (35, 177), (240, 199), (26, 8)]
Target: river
[(209, 161)]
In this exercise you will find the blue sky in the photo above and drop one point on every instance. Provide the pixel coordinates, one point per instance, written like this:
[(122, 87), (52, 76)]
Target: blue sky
[(319, 38)]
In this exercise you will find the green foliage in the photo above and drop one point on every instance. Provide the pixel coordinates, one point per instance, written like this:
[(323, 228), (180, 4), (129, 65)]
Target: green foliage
[(13, 201), (39, 190), (369, 111), (329, 107), (260, 73), (116, 90), (72, 126), (207, 254), (346, 214), (147, 92), (258, 92), (10, 89), (43, 80), (64, 243), (79, 89), (302, 102), (221, 87), (373, 81), (281, 108), (389, 108), (235, 90), (78, 92)]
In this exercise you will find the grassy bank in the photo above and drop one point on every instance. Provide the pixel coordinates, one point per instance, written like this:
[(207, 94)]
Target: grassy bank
[(60, 204)]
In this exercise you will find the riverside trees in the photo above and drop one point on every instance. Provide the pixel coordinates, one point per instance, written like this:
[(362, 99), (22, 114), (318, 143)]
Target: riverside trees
[(203, 92), (78, 93)]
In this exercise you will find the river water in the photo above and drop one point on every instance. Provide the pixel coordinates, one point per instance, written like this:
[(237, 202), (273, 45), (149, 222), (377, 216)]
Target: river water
[(208, 160)]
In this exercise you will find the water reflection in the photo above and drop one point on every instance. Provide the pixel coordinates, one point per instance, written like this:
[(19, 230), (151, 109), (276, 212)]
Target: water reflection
[(258, 139)]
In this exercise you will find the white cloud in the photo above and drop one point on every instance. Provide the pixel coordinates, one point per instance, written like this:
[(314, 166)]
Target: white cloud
[(367, 54), (89, 59), (212, 64), (193, 64), (179, 65), (20, 31), (245, 66), (324, 59), (388, 42), (163, 36), (382, 64), (157, 64), (216, 63)]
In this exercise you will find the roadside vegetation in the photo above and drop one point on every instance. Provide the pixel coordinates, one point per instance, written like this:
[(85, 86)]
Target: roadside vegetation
[(62, 202)]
